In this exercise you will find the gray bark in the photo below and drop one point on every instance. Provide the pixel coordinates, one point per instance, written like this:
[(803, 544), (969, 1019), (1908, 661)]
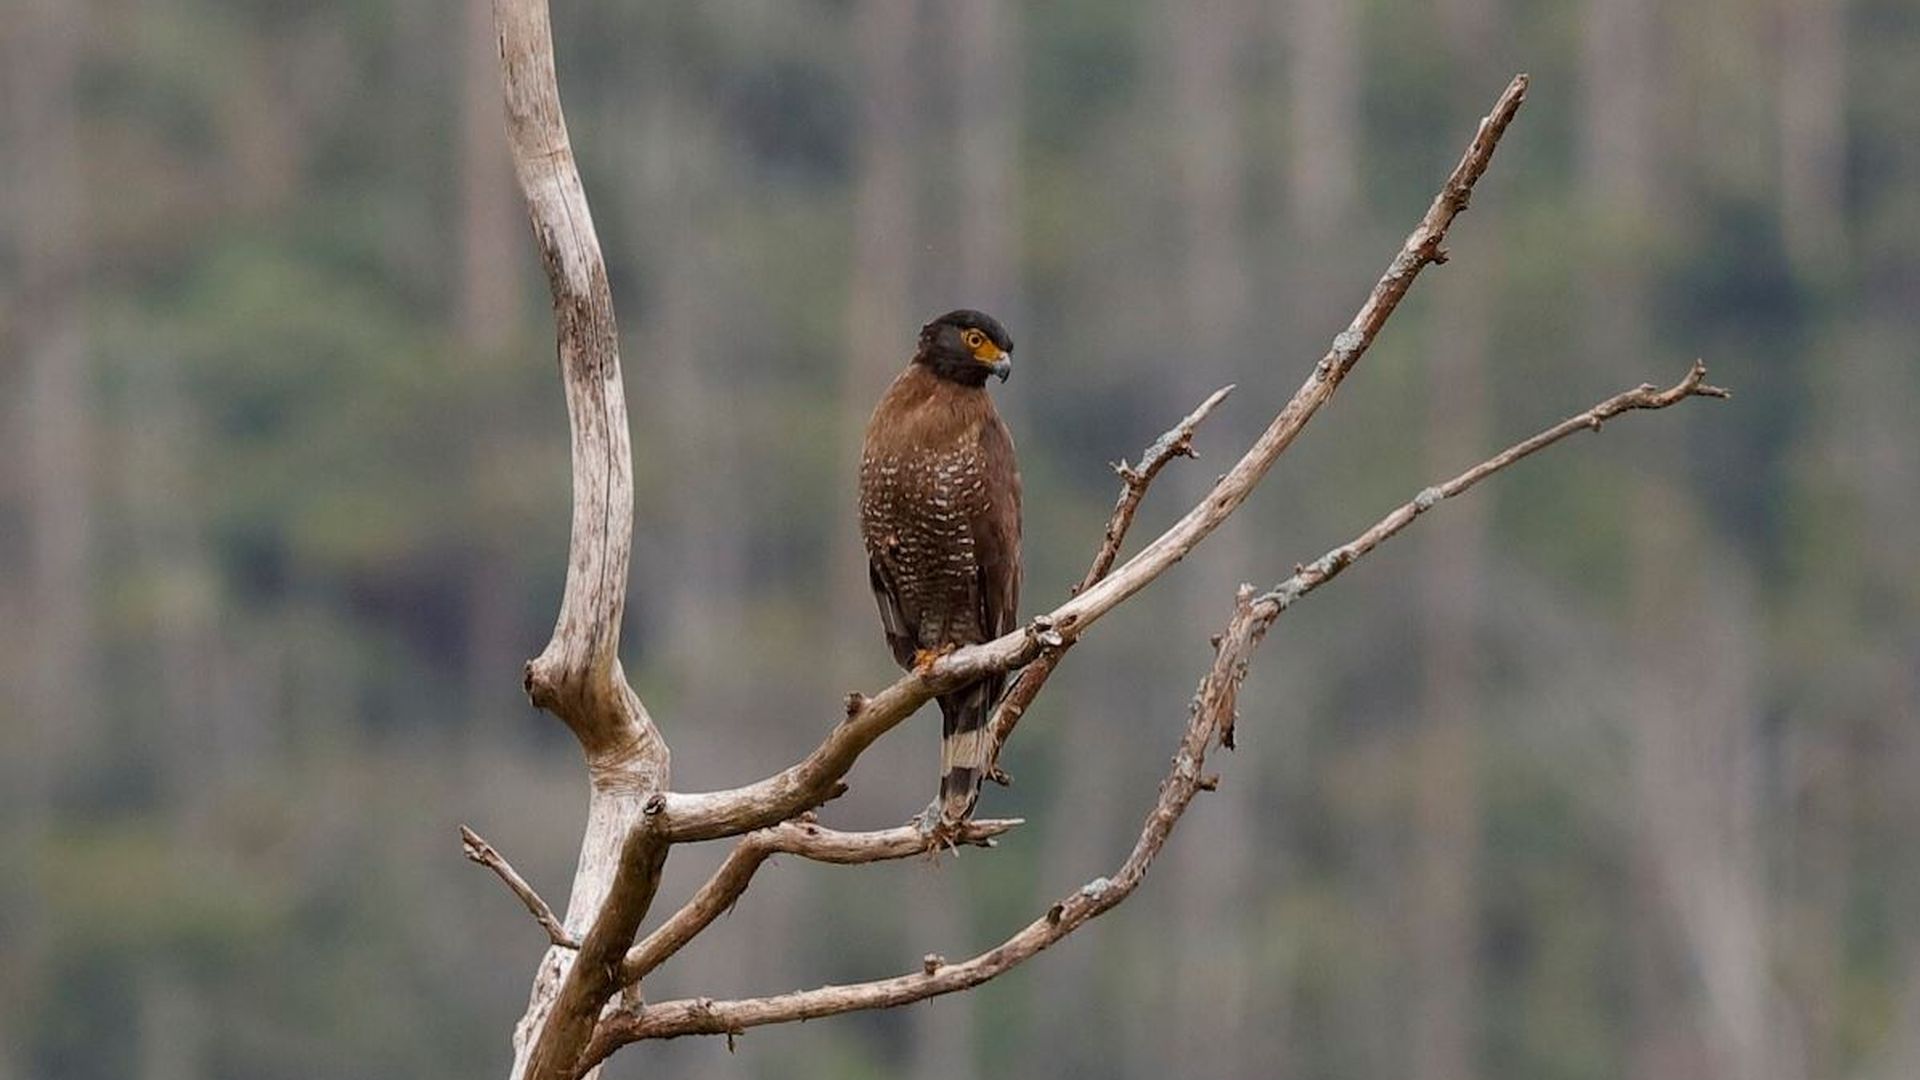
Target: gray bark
[(578, 676)]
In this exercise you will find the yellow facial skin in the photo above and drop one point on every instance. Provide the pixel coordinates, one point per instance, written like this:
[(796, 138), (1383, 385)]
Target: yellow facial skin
[(984, 350)]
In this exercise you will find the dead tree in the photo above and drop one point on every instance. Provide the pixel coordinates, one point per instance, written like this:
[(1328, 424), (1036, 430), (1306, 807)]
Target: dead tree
[(586, 1000)]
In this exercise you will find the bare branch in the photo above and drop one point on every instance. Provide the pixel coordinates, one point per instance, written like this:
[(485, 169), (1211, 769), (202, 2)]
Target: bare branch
[(803, 838), (803, 786), (1134, 479), (824, 845), (1268, 606), (1175, 442), (707, 815), (704, 1016), (478, 850), (1214, 710), (1421, 247), (577, 677), (594, 976)]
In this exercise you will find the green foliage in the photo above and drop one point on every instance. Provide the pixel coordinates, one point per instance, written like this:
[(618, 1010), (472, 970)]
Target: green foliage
[(329, 520)]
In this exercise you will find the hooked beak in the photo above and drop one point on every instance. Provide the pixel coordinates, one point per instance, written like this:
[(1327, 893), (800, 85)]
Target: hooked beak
[(1001, 366)]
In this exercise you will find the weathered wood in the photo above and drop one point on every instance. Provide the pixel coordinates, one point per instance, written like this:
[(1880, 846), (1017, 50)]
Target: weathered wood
[(807, 840), (633, 820), (477, 850), (706, 815), (594, 977), (578, 677), (1214, 710)]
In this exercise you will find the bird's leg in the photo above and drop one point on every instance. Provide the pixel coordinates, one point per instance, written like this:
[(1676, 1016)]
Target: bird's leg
[(937, 832), (928, 820), (923, 659)]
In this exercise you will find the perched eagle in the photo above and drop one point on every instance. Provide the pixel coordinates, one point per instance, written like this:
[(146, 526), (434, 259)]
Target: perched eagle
[(940, 515)]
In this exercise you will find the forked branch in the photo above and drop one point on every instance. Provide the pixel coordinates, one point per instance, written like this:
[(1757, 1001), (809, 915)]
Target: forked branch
[(595, 975), (1213, 713), (1254, 616), (706, 815), (633, 821), (803, 838), (1134, 481)]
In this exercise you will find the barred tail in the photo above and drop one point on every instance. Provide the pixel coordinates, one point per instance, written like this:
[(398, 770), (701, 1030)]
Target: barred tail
[(963, 748)]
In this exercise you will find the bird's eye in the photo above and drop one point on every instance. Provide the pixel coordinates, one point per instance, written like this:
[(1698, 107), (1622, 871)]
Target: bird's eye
[(974, 339)]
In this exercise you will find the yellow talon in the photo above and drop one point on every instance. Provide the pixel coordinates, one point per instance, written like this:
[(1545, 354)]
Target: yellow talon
[(923, 659)]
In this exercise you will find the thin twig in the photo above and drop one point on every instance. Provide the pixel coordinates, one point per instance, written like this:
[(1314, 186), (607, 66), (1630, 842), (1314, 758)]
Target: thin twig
[(1134, 480), (803, 838), (478, 850), (709, 815), (1268, 606), (1211, 719), (1173, 443)]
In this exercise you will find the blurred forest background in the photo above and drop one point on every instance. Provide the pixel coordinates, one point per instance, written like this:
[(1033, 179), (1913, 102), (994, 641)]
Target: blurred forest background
[(1609, 770)]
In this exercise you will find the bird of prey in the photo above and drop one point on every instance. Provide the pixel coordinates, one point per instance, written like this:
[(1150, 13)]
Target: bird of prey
[(940, 516)]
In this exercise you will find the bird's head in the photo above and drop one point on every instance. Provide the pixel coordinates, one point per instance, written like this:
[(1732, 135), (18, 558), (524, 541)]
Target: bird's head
[(966, 346)]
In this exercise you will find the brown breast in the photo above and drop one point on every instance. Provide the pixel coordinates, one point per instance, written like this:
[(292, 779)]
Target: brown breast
[(923, 488)]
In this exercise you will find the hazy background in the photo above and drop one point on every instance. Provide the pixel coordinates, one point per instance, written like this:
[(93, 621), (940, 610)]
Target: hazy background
[(1609, 770)]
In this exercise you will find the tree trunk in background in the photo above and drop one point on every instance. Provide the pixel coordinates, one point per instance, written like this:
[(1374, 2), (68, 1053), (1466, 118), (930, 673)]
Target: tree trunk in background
[(488, 314), (987, 98), (56, 386), (197, 747), (1322, 194), (1618, 137), (1446, 803), (413, 240), (1818, 874), (1319, 41), (182, 733), (1443, 1041), (54, 704), (1074, 1005), (880, 326), (702, 563), (1698, 767), (1812, 60), (1699, 868), (1902, 1055), (1857, 747), (1617, 145), (680, 172), (1208, 1008), (170, 1024), (1323, 97), (1715, 109), (260, 136), (488, 308)]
